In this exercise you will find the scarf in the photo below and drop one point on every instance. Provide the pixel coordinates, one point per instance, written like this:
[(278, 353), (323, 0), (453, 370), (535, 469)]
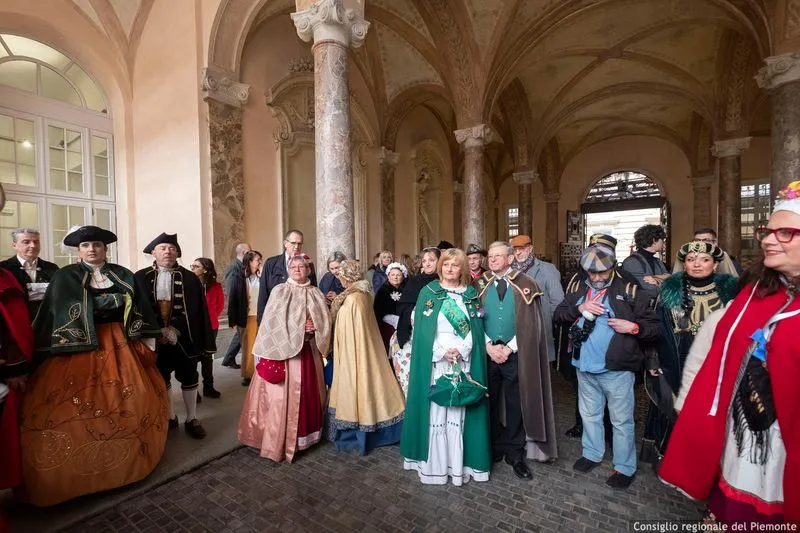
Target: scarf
[(524, 266)]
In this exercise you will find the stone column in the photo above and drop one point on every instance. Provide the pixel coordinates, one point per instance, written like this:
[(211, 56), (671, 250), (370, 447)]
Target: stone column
[(551, 240), (781, 76), (525, 180), (225, 98), (474, 140), (458, 214), (701, 186), (729, 153), (332, 29), (388, 161)]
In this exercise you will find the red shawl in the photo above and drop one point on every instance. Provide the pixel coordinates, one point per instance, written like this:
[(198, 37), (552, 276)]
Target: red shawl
[(692, 461), (14, 312)]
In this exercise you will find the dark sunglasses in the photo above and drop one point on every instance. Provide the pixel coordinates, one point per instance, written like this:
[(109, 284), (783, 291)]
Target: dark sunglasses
[(783, 235)]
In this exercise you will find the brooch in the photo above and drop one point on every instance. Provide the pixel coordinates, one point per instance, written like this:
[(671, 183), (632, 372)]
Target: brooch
[(429, 304), (395, 296), (427, 312), (526, 291)]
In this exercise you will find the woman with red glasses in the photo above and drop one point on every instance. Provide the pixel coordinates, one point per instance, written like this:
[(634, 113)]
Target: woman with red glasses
[(737, 439)]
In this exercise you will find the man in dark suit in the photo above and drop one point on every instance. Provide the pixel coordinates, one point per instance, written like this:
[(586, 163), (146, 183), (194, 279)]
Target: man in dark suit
[(32, 272), (237, 267), (275, 270)]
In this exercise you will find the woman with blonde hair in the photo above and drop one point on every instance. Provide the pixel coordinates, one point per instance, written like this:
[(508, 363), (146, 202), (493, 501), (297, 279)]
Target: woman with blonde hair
[(448, 440), (366, 405)]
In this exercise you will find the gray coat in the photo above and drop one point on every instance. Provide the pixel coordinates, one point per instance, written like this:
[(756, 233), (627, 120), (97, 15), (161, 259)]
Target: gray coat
[(548, 278), (638, 267)]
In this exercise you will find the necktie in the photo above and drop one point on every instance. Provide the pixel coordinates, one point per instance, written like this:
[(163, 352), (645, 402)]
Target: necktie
[(501, 288)]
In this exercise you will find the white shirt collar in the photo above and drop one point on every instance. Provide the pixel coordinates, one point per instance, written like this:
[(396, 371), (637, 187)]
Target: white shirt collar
[(22, 261), (502, 276)]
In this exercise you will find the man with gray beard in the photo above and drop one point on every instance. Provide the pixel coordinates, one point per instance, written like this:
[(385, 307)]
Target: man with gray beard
[(607, 321)]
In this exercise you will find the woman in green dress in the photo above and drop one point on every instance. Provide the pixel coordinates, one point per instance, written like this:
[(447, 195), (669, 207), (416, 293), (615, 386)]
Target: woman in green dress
[(447, 443)]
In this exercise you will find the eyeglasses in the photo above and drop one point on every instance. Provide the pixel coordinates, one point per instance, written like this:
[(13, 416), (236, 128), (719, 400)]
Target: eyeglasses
[(783, 235)]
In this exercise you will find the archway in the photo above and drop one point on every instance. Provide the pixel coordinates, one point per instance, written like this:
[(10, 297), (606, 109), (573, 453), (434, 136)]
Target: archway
[(621, 202)]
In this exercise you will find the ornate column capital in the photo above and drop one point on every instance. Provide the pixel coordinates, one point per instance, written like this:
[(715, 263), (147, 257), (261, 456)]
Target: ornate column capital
[(778, 70), (328, 20), (387, 158), (217, 85), (458, 187), (525, 177), (479, 135), (552, 197), (730, 147), (702, 182)]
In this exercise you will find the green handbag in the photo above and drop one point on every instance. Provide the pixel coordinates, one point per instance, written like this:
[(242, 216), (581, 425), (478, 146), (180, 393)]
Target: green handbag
[(457, 389)]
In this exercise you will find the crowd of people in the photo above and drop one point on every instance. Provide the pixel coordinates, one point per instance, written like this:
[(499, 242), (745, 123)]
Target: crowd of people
[(448, 354)]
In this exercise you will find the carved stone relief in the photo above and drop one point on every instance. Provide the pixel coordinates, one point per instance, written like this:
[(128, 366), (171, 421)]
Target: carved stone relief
[(429, 176), (736, 84)]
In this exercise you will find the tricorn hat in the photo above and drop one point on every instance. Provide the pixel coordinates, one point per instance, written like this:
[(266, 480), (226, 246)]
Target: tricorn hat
[(164, 238), (89, 234), (475, 249)]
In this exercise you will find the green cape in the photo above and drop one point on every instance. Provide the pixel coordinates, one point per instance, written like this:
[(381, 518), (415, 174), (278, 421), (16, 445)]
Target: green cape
[(65, 321), (477, 441)]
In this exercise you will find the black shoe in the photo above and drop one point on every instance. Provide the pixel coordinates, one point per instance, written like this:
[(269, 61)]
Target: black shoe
[(199, 398), (211, 392), (584, 465), (194, 429), (521, 469), (619, 481), (173, 423), (245, 382), (575, 432), (234, 365)]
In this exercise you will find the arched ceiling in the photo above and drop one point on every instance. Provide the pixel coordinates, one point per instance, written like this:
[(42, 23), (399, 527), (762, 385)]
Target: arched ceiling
[(122, 21)]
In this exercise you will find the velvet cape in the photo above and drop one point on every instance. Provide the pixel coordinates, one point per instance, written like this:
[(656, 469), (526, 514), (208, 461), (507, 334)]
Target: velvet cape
[(477, 441)]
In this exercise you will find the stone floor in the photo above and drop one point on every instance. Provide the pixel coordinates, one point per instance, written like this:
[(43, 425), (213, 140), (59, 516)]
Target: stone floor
[(325, 490)]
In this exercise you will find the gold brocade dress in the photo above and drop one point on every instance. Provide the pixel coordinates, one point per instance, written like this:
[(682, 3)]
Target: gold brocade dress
[(365, 405), (95, 420)]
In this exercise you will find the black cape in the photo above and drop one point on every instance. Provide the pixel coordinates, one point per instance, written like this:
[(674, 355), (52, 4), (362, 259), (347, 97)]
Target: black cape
[(407, 302)]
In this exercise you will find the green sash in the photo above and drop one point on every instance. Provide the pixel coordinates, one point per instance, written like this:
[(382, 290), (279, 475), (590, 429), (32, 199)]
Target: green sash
[(456, 317)]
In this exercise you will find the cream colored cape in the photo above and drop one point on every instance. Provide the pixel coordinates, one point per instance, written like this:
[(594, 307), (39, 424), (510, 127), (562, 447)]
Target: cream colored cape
[(282, 330)]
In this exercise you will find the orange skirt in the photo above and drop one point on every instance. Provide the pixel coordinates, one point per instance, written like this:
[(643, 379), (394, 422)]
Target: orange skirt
[(92, 421), (248, 341)]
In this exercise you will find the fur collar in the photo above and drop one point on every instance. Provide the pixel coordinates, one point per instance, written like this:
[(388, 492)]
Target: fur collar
[(358, 286), (672, 290)]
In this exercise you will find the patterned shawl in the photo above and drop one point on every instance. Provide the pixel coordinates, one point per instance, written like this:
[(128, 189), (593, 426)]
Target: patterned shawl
[(282, 330)]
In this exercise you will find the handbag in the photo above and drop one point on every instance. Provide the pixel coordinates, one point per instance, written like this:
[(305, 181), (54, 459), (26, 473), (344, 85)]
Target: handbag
[(271, 371), (457, 389)]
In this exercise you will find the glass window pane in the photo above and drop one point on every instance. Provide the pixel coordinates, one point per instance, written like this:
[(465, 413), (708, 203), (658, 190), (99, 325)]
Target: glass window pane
[(90, 91), (26, 174), (19, 74), (22, 46), (75, 182), (76, 215), (73, 141), (8, 173), (26, 153), (24, 129), (6, 150), (74, 162), (102, 218), (58, 179), (101, 186), (101, 166), (59, 216), (99, 146), (55, 137), (28, 215), (57, 158), (57, 88), (6, 127)]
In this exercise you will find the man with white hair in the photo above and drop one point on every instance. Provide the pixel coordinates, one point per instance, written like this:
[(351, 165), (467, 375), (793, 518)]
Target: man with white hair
[(519, 372), (31, 271)]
